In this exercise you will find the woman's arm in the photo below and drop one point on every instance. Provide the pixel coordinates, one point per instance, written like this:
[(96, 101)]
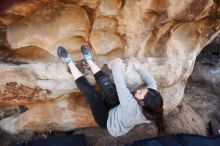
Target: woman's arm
[(124, 94), (145, 75)]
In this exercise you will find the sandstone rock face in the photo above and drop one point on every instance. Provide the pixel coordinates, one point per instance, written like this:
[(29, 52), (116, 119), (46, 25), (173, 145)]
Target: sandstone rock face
[(72, 112), (54, 25), (165, 36)]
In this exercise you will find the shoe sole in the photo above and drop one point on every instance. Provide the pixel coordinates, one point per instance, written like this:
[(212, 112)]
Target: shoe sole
[(86, 53), (63, 55), (85, 50), (61, 52)]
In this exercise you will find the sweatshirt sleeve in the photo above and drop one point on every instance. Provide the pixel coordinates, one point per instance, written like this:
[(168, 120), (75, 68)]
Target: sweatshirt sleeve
[(124, 94), (147, 77)]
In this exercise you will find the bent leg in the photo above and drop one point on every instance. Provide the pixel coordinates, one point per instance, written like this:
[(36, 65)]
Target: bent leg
[(98, 107), (108, 88)]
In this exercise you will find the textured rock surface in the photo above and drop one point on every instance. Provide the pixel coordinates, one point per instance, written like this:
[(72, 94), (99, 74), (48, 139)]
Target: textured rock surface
[(73, 113), (165, 36), (207, 66)]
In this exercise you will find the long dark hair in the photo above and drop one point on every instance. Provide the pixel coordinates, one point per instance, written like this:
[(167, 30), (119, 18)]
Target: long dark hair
[(153, 109)]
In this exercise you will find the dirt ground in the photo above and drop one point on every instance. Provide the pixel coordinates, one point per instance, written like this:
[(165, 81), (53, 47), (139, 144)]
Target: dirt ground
[(199, 96), (202, 99)]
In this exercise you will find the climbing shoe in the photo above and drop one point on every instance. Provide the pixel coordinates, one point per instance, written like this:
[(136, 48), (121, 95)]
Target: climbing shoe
[(86, 53), (63, 55)]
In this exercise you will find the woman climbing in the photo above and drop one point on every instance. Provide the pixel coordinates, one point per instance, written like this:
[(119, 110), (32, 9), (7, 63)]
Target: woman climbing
[(117, 109)]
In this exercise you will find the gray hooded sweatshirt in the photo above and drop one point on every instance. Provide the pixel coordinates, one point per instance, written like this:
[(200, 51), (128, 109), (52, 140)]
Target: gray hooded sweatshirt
[(128, 113)]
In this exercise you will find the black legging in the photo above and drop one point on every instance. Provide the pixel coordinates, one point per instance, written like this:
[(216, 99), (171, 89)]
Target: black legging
[(100, 104)]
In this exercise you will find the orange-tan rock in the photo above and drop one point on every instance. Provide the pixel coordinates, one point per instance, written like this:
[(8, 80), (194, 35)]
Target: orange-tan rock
[(164, 35)]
